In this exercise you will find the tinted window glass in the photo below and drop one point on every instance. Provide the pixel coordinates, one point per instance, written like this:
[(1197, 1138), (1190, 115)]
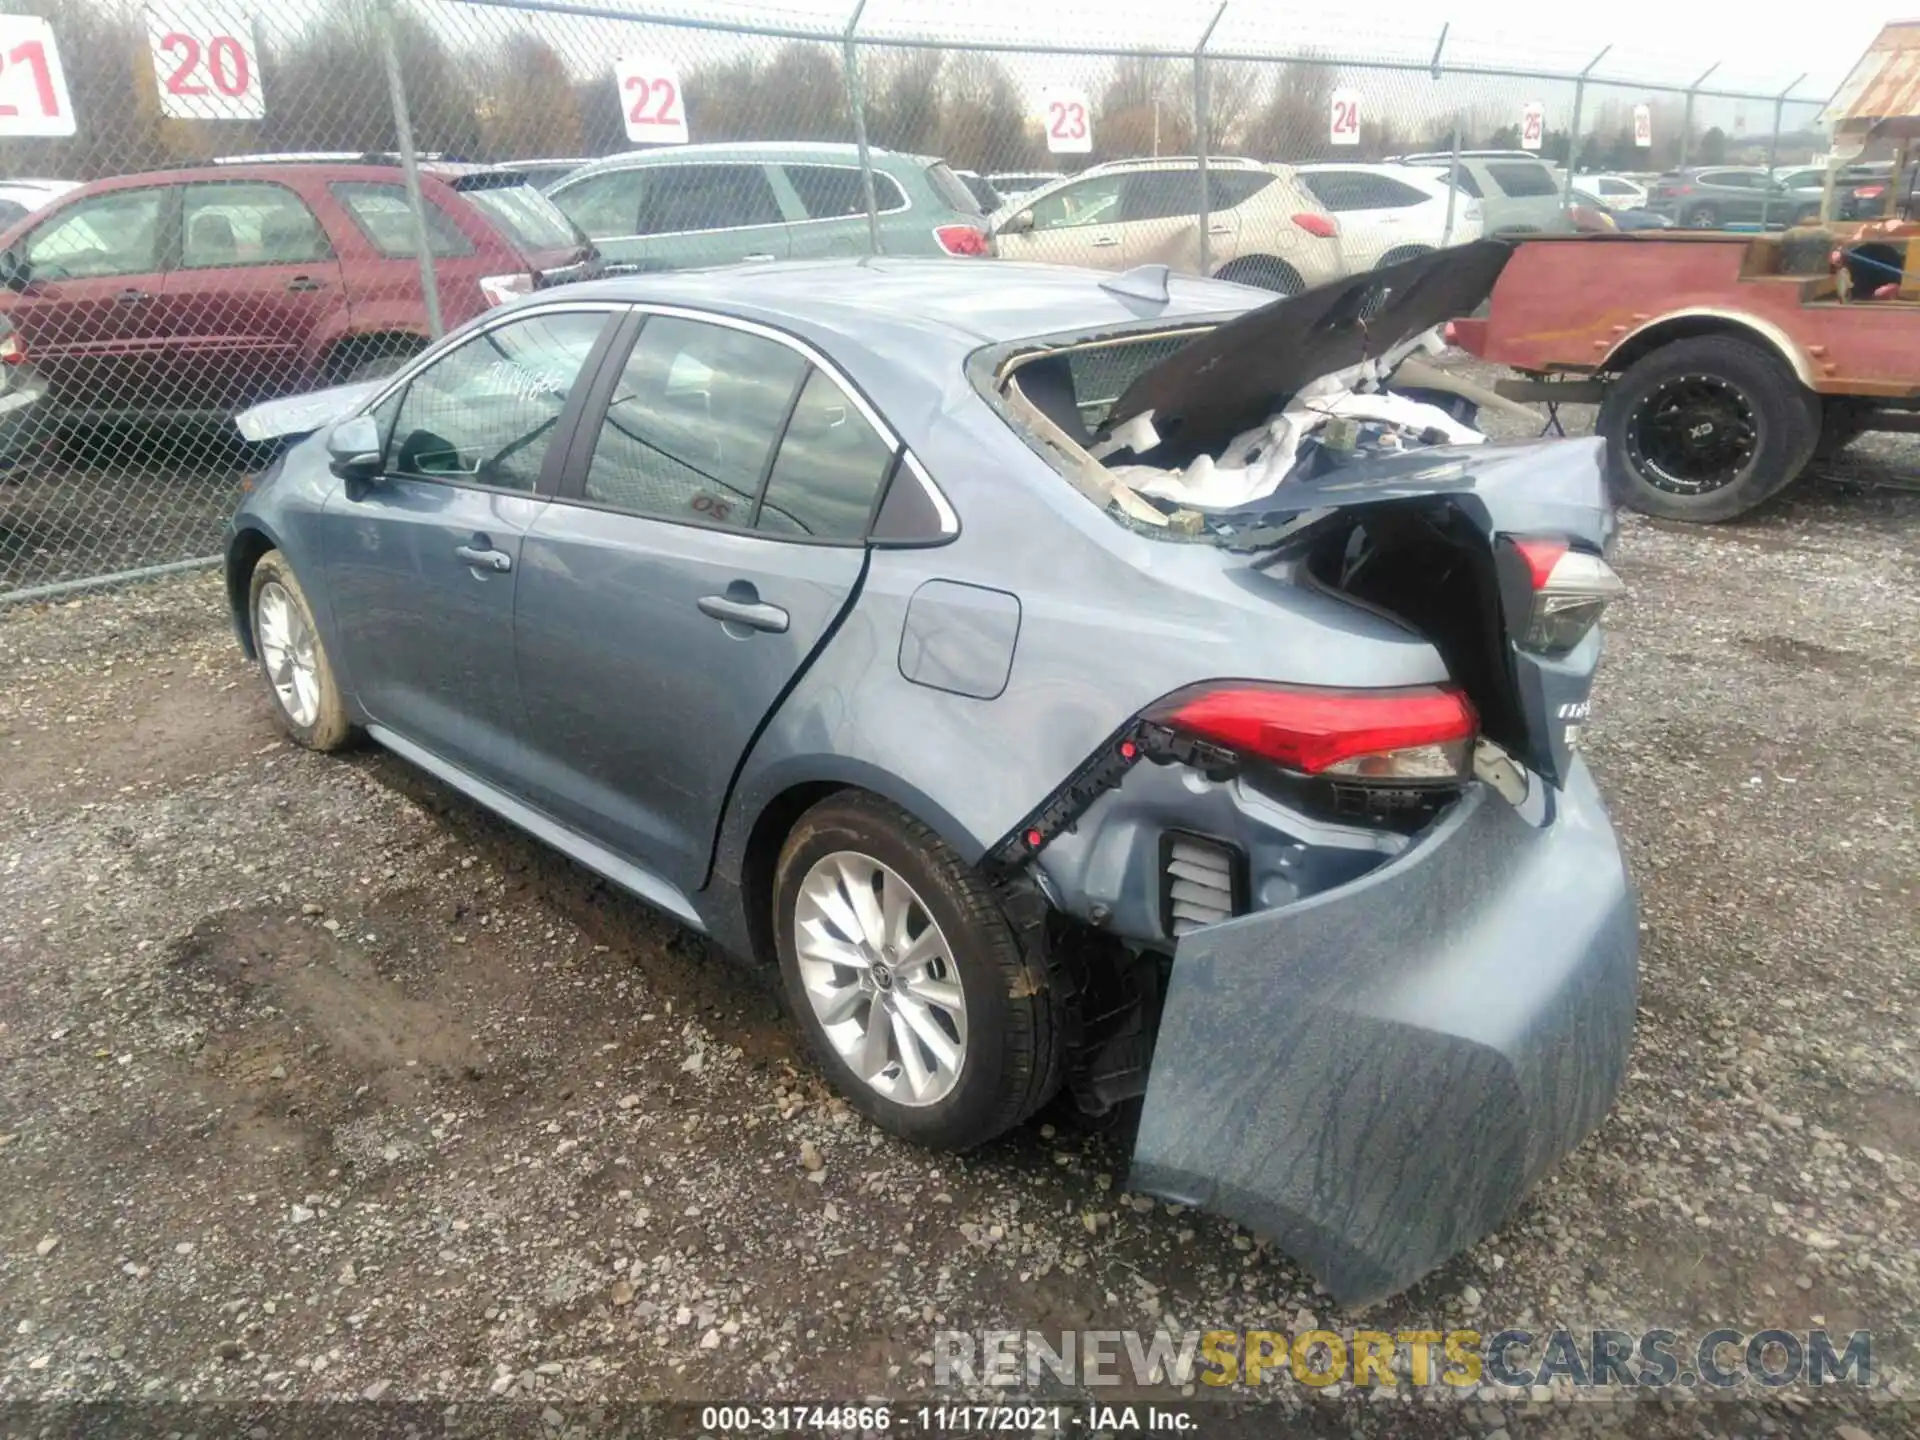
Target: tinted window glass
[(1614, 187), (1465, 182), (1091, 202), (485, 413), (1337, 189), (693, 422), (952, 190), (248, 223), (1228, 188), (829, 470), (830, 192), (115, 234), (382, 213), (1728, 179), (1160, 195), (525, 216), (1522, 178), (605, 206), (706, 197), (11, 212)]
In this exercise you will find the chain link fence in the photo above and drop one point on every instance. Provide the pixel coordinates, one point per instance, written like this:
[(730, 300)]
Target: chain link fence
[(284, 199)]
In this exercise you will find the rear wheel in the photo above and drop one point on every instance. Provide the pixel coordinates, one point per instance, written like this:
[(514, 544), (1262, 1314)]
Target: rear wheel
[(1707, 428), (1700, 217), (916, 997), (1264, 272)]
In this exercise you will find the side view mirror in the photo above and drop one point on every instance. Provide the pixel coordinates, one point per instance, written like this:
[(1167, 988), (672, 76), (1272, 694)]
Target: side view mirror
[(353, 449), (1018, 223), (14, 270)]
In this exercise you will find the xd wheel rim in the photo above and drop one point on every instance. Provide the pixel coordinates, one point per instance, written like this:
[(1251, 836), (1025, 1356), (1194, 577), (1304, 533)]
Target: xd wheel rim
[(1694, 434), (881, 978)]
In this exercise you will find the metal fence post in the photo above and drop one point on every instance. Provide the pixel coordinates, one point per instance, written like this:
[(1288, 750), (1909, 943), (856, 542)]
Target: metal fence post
[(856, 101), (1453, 182), (1203, 136), (409, 165), (1573, 134), (1686, 124), (1773, 151)]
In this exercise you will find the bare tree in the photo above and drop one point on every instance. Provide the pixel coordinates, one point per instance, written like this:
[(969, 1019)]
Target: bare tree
[(529, 108), (799, 94), (110, 82), (1233, 89), (1145, 109), (983, 121), (904, 99), (1292, 125)]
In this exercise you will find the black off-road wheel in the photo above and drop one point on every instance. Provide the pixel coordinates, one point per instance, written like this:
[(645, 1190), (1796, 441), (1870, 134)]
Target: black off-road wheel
[(1705, 429), (913, 990), (305, 696)]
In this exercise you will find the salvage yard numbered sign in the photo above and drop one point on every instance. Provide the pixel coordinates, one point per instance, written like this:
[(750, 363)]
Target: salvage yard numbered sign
[(1343, 121), (33, 87), (1069, 121), (651, 99), (1643, 126), (1533, 125), (205, 62)]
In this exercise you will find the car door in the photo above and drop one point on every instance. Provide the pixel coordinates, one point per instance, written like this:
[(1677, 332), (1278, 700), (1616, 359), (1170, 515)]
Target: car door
[(1733, 195), (1160, 220), (1366, 230), (255, 288), (709, 532), (707, 214), (422, 563), (86, 308), (1078, 224), (827, 206)]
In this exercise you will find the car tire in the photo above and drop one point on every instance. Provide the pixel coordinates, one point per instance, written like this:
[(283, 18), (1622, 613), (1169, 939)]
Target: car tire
[(1004, 1039), (301, 686), (1263, 272), (1700, 217), (1404, 252), (1760, 427)]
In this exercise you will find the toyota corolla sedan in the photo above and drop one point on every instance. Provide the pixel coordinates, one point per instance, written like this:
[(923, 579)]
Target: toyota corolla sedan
[(883, 621)]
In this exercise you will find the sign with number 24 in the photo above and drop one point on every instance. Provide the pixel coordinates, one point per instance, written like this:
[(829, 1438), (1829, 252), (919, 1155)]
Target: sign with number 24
[(651, 99)]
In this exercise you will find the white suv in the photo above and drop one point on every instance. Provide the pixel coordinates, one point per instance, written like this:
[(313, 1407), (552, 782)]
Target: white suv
[(1389, 213), (1262, 228)]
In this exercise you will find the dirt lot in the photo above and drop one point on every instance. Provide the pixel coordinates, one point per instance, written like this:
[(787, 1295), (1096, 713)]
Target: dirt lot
[(315, 1081)]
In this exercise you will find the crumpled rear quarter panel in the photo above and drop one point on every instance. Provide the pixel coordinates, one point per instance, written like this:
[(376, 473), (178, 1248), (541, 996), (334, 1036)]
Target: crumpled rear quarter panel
[(1375, 1076)]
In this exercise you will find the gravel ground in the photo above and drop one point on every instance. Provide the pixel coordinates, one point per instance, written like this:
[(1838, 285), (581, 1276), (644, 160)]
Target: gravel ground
[(316, 1081)]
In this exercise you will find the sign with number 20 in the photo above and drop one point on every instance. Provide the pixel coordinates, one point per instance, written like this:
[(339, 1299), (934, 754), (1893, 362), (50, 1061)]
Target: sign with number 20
[(651, 99), (204, 62)]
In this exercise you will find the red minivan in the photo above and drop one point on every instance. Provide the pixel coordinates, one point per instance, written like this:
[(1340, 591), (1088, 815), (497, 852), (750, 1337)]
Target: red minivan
[(191, 294)]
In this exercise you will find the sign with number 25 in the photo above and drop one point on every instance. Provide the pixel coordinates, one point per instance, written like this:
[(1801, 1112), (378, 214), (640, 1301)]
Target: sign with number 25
[(651, 99), (33, 87), (204, 62), (1069, 122)]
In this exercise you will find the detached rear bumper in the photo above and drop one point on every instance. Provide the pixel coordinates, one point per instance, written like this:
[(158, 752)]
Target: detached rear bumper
[(1374, 1077)]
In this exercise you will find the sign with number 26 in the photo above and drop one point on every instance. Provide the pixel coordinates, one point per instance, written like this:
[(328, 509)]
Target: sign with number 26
[(651, 99)]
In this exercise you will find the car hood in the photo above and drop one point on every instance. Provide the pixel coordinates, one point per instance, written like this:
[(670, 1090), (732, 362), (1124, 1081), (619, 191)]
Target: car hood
[(303, 414), (1239, 373)]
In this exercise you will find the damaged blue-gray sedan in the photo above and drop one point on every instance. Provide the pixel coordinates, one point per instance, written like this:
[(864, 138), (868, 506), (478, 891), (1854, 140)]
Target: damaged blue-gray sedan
[(1124, 686)]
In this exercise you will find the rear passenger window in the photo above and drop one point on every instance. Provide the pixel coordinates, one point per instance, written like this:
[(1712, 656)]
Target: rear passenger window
[(1522, 178), (829, 471), (692, 425), (604, 206), (831, 192), (248, 223), (385, 218), (1228, 188), (706, 197)]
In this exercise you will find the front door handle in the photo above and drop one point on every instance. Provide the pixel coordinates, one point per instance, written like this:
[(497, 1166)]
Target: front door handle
[(1220, 229), (481, 558), (132, 297), (754, 614), (305, 282), (1105, 240), (756, 257)]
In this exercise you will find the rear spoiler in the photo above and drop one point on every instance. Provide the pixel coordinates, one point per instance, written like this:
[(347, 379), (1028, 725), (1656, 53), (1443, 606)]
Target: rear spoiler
[(303, 414)]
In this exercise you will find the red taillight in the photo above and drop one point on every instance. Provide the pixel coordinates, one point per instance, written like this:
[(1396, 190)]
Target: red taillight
[(1422, 733), (962, 240), (1569, 590), (1315, 223), (12, 351), (1869, 192)]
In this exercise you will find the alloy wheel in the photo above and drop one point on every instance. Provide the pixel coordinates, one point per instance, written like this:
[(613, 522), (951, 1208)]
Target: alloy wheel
[(1693, 434), (287, 649), (881, 978)]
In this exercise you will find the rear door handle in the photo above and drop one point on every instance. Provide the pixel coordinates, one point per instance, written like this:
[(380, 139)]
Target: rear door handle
[(132, 297), (305, 282), (481, 558), (754, 614), (756, 257), (1105, 240), (1219, 229)]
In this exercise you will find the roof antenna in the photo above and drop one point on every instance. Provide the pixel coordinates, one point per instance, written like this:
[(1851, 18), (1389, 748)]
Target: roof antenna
[(1143, 282)]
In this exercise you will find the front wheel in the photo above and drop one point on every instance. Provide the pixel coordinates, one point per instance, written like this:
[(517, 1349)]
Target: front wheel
[(1707, 428), (1701, 217), (306, 697), (916, 996)]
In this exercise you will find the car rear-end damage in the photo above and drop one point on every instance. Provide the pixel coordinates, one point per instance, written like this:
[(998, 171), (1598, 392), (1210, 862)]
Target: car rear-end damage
[(1367, 954)]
